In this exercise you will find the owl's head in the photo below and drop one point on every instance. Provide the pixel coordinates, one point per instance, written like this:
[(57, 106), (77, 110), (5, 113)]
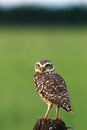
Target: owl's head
[(44, 66)]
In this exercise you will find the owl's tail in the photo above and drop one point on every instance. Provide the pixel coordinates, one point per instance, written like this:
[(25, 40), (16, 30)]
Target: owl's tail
[(68, 108)]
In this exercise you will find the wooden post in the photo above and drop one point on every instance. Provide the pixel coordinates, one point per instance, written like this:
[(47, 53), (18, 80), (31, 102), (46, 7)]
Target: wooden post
[(49, 124)]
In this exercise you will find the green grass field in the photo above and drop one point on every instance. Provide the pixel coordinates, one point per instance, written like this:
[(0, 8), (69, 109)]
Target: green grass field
[(20, 48)]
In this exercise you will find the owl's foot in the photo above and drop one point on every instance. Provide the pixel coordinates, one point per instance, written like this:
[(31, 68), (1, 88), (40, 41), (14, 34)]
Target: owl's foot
[(45, 117), (57, 118)]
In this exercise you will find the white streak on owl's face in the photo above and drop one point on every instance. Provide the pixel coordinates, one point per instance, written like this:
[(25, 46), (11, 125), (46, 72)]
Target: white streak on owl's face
[(42, 68)]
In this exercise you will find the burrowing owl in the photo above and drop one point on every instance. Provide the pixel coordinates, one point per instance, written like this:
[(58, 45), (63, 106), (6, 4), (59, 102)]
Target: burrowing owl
[(51, 87)]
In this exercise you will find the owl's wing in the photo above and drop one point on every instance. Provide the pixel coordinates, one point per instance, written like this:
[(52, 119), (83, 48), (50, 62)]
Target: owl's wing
[(56, 91)]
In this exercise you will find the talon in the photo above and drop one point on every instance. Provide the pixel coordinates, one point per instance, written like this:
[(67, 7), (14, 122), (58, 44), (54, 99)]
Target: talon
[(45, 117), (57, 118)]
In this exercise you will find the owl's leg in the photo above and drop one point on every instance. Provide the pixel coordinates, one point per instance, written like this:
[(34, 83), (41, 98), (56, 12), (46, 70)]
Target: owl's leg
[(48, 110), (57, 113)]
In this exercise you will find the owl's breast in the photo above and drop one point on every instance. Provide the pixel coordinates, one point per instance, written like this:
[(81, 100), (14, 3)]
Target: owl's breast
[(43, 86), (38, 82)]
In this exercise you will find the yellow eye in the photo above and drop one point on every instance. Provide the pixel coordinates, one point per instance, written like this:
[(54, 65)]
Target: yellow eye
[(37, 66), (47, 66)]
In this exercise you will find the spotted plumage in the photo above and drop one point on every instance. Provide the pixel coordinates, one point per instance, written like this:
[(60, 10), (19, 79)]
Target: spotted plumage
[(51, 87)]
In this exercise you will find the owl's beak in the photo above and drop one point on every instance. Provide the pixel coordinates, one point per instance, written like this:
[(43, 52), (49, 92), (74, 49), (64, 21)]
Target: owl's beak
[(42, 69)]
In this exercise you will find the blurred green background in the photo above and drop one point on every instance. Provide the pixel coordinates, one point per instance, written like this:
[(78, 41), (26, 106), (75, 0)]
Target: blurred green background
[(20, 48)]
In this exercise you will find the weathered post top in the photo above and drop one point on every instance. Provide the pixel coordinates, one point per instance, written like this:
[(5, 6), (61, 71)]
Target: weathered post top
[(49, 124)]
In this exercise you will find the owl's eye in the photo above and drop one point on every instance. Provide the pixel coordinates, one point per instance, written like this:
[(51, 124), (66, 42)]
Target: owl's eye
[(37, 66), (48, 66)]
